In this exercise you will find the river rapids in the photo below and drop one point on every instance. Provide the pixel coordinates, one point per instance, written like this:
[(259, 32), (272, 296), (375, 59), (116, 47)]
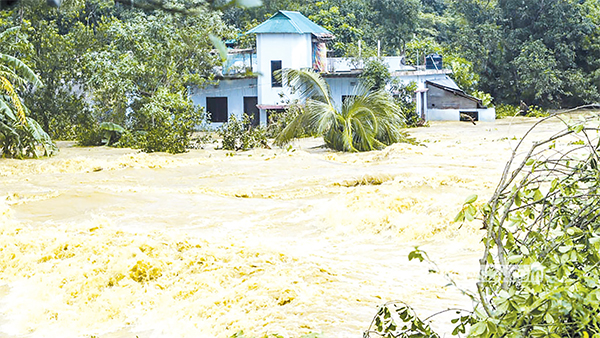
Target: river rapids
[(117, 243)]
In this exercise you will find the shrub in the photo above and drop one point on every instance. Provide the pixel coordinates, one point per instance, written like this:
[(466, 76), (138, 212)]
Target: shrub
[(506, 110), (240, 135), (164, 123), (540, 271), (279, 120)]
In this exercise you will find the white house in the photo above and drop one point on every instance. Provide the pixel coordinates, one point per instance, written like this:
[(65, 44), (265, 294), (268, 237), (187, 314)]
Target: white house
[(290, 40)]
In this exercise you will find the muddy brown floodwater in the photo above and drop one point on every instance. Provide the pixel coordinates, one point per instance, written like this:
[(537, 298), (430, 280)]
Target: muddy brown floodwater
[(118, 243)]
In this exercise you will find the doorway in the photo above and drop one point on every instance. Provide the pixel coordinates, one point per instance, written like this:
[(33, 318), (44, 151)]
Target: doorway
[(251, 110)]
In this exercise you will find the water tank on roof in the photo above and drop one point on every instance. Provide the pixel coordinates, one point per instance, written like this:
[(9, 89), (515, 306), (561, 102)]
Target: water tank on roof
[(433, 61)]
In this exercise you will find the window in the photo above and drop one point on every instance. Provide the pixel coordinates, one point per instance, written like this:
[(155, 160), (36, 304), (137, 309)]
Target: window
[(345, 97), (275, 80), (217, 107)]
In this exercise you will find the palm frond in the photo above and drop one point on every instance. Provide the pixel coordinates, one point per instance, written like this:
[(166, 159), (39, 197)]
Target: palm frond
[(8, 73), (21, 68), (6, 111), (8, 88), (8, 31), (40, 138), (308, 84)]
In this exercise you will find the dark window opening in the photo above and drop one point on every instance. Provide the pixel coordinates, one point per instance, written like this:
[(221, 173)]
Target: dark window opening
[(251, 110), (469, 116), (217, 107), (275, 80)]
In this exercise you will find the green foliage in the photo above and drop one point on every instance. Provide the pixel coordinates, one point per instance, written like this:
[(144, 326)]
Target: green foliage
[(462, 73), (486, 98), (419, 47), (111, 132), (534, 51), (89, 134), (398, 320), (376, 74), (279, 120), (367, 120), (404, 99), (506, 110), (103, 62), (20, 135), (396, 20), (240, 135), (468, 211), (164, 123), (540, 265)]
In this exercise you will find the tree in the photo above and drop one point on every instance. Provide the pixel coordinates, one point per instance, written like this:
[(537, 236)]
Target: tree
[(366, 121), (376, 73), (511, 43), (20, 135), (397, 21)]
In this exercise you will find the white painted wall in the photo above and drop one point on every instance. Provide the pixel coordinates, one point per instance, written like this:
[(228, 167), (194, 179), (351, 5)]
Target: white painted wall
[(341, 86), (234, 89), (485, 115), (294, 51)]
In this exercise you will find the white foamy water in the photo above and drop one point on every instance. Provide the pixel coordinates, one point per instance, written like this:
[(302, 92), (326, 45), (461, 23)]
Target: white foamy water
[(117, 243)]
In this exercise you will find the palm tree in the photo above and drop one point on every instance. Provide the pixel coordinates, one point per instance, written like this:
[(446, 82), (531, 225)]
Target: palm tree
[(367, 120), (20, 136)]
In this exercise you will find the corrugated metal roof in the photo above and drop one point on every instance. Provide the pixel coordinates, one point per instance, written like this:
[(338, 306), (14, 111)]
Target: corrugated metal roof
[(446, 82), (289, 22), (449, 85)]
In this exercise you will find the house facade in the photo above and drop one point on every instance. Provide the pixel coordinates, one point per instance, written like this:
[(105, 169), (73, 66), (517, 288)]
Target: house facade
[(249, 85)]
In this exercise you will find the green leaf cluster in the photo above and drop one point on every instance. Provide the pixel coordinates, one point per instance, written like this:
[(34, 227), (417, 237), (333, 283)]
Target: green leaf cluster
[(398, 320), (239, 134)]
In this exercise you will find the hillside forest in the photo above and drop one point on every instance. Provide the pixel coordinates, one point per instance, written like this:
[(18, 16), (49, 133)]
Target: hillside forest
[(105, 64)]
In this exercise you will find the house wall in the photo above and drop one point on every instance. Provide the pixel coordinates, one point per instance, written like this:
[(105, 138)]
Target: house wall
[(234, 89), (294, 51), (341, 86), (442, 99), (485, 114)]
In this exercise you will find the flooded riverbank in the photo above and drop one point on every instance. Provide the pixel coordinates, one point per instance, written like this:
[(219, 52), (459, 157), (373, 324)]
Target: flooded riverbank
[(117, 243)]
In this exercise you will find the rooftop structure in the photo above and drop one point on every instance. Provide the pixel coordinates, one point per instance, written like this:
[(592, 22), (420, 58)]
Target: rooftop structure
[(287, 22)]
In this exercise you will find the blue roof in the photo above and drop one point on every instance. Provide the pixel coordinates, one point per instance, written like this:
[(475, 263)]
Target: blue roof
[(289, 22)]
